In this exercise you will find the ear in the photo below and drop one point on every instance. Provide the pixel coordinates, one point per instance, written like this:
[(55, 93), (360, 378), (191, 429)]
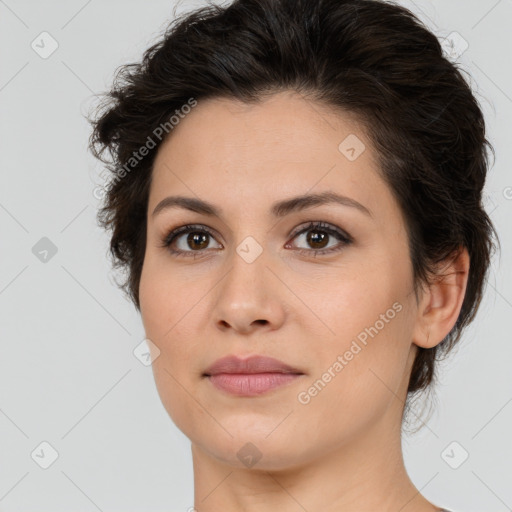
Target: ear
[(440, 304)]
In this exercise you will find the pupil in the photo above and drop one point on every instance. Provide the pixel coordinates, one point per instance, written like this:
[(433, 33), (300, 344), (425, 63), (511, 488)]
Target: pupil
[(198, 237), (317, 238)]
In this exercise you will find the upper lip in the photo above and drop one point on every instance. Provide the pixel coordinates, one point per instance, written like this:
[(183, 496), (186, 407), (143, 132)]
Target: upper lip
[(252, 364)]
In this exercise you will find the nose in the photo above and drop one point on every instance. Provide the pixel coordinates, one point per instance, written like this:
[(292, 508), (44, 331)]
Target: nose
[(249, 297)]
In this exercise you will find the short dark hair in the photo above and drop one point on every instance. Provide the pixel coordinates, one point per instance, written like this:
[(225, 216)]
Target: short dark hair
[(372, 58)]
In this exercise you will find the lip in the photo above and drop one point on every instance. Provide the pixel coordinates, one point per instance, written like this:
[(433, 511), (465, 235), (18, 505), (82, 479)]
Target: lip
[(249, 365), (252, 376)]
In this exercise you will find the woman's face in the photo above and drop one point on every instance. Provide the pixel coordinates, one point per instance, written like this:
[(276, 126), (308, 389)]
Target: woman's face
[(258, 282)]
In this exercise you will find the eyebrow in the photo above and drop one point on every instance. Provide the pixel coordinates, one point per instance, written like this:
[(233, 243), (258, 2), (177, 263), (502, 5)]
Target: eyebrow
[(278, 209)]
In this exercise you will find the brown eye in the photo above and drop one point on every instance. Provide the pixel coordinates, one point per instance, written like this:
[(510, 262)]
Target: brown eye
[(197, 240), (317, 236)]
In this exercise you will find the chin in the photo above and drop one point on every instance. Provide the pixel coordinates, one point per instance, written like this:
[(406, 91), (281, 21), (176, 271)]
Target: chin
[(251, 447)]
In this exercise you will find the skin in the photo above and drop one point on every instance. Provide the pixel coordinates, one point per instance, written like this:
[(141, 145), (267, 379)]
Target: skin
[(341, 451)]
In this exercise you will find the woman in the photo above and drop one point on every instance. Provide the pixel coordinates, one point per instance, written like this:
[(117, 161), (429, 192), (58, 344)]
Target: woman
[(296, 196)]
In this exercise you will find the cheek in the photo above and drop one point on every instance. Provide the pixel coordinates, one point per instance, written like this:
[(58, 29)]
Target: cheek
[(358, 376), (362, 360), (170, 307), (167, 300)]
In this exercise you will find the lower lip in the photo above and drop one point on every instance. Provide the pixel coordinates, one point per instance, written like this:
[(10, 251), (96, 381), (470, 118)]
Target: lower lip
[(252, 384)]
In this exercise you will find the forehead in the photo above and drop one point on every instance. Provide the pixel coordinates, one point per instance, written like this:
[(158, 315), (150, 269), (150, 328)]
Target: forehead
[(236, 154)]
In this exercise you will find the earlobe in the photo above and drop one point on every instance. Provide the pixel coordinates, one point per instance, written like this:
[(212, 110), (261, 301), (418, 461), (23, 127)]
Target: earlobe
[(441, 303)]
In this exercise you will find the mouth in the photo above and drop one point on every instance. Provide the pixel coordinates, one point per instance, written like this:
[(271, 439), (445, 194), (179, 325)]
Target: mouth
[(251, 376)]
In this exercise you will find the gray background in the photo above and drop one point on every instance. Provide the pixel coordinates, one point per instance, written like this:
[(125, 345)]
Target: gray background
[(68, 375)]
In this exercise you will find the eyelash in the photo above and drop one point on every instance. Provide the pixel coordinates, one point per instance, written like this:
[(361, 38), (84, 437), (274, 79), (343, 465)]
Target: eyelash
[(321, 226)]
